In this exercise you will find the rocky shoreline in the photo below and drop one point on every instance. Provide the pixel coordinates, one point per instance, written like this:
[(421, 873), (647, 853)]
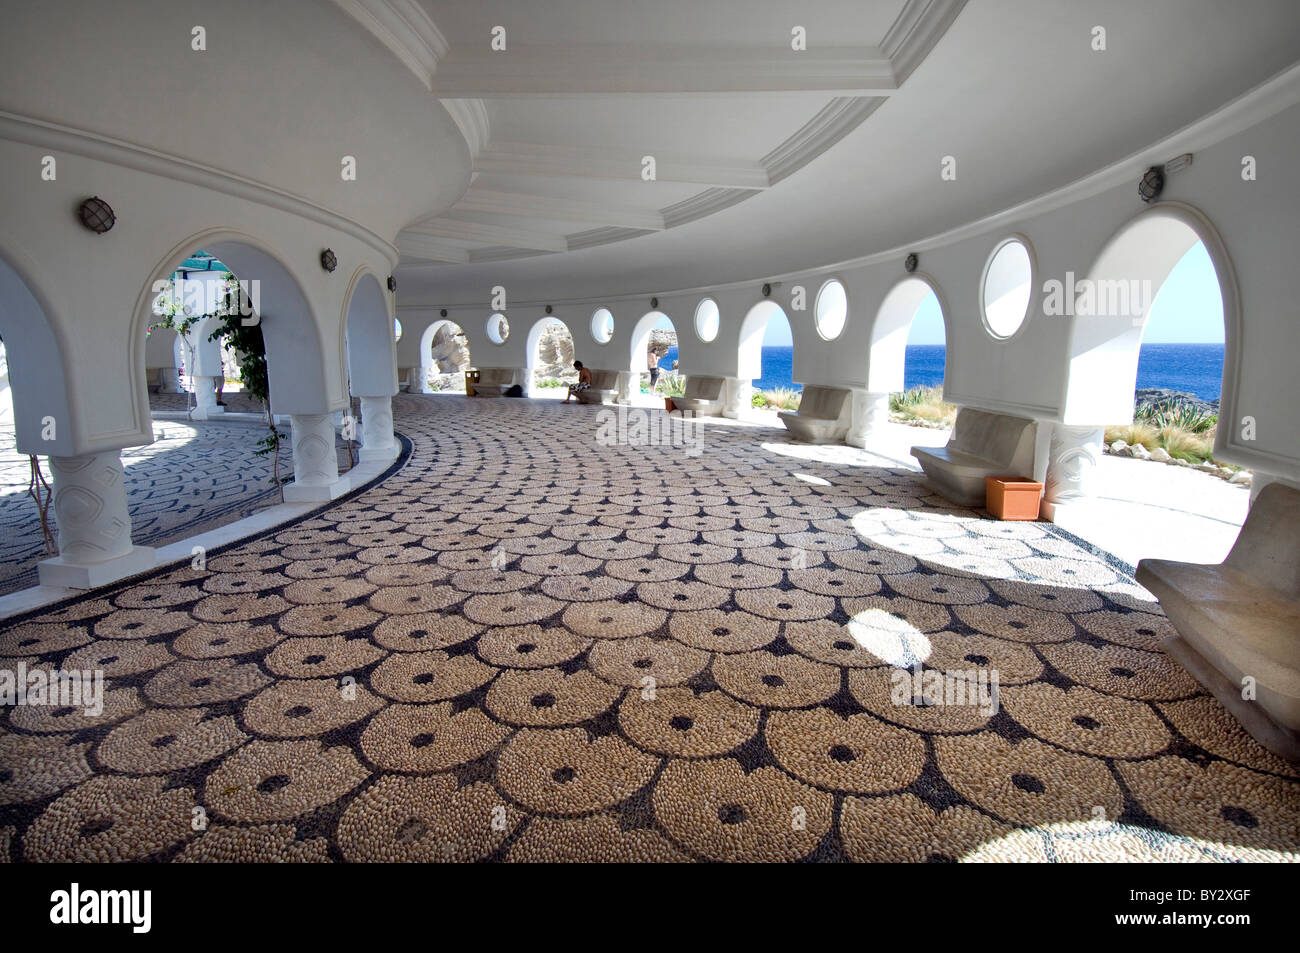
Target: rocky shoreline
[(1159, 397), (1150, 397)]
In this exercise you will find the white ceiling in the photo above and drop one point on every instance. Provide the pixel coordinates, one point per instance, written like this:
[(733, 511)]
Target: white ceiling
[(771, 160)]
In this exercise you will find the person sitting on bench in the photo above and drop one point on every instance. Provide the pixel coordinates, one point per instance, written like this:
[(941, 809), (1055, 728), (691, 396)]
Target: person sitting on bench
[(584, 381)]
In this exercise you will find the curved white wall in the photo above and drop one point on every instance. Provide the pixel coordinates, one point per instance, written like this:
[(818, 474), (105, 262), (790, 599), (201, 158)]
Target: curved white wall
[(1256, 222)]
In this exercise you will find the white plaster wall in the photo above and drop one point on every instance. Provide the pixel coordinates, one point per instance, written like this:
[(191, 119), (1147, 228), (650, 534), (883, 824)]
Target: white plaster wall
[(1027, 374), (283, 92), (98, 311)]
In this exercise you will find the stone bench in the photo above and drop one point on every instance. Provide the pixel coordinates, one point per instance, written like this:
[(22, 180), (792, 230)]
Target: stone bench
[(603, 390), (983, 444), (823, 415), (495, 381), (703, 396), (1241, 618)]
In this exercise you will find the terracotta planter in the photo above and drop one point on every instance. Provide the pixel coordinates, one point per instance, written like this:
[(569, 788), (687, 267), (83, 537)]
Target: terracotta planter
[(669, 405), (1012, 498)]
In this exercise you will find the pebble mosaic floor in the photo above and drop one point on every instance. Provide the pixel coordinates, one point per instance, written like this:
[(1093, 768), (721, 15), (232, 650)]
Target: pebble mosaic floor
[(195, 476), (524, 645)]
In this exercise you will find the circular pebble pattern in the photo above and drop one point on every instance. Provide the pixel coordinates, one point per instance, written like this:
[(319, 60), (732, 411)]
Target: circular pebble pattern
[(524, 645)]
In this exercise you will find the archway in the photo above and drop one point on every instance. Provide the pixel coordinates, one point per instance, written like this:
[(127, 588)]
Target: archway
[(37, 379), (372, 364), (908, 359), (550, 357), (444, 358), (274, 317), (766, 358), (1109, 310), (1139, 286), (181, 358), (653, 355)]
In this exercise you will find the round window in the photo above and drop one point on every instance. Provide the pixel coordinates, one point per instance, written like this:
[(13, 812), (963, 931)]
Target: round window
[(832, 309), (707, 319), (602, 325), (498, 328), (1006, 288)]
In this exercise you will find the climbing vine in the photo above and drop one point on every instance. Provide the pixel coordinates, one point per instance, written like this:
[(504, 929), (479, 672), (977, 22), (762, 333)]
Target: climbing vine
[(240, 330)]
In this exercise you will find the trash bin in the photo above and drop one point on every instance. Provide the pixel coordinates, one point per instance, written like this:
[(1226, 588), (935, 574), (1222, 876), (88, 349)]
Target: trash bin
[(1012, 497)]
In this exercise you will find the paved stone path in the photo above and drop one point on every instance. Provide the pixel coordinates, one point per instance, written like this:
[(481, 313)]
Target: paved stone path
[(543, 638), (195, 476)]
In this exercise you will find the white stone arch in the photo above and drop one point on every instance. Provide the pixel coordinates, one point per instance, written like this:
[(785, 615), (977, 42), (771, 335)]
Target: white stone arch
[(889, 332), (368, 330), (640, 340), (1103, 348), (426, 348), (749, 363), (163, 356), (534, 340), (37, 368), (295, 352)]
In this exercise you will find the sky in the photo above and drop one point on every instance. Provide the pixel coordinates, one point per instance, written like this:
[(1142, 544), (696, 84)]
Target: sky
[(1188, 309)]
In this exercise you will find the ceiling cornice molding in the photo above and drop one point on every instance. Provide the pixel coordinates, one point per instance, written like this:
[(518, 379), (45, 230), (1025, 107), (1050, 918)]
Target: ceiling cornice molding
[(430, 249), (471, 118), (526, 158), (406, 29), (528, 205), (501, 253), (459, 230), (704, 204), (918, 27), (92, 145), (1251, 108), (835, 121), (633, 69), (602, 236), (916, 30)]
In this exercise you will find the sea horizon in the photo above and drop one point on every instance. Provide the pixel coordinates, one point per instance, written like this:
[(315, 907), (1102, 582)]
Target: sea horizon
[(1188, 368)]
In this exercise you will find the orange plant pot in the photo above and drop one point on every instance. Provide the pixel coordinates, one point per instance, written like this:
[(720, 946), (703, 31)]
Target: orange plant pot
[(1012, 498), (669, 405)]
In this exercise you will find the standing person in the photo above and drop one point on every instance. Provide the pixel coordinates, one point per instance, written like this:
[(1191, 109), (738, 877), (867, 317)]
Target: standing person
[(653, 361), (584, 381)]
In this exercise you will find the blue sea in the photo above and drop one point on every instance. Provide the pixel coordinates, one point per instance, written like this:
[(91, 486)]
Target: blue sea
[(1190, 368)]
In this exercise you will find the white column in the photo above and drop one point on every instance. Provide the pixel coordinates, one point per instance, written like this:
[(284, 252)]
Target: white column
[(205, 397), (377, 441), (870, 414), (315, 462), (737, 397), (1073, 457), (169, 381), (94, 525)]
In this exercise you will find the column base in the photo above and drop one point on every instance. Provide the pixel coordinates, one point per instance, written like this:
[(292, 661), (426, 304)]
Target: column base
[(378, 454), (206, 413), (59, 572), (317, 492), (870, 412), (1073, 515)]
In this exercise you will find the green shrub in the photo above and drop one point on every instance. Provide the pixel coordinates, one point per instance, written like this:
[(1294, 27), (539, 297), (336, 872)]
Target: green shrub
[(1177, 416), (784, 398), (923, 403), (759, 399), (671, 384)]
